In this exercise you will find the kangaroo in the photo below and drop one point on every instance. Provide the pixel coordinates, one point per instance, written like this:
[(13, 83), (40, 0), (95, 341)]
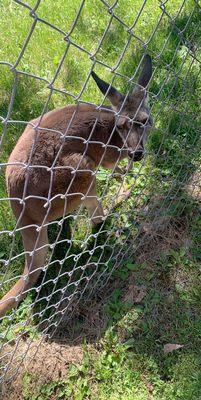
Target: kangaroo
[(50, 172)]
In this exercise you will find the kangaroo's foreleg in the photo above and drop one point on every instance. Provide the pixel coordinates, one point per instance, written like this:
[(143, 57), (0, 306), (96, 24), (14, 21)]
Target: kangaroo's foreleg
[(94, 207), (36, 242)]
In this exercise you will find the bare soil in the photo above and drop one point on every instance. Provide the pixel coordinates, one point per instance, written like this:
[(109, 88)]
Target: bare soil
[(47, 361)]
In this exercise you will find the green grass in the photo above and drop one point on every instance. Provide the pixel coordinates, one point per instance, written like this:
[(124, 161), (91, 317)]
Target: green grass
[(128, 361)]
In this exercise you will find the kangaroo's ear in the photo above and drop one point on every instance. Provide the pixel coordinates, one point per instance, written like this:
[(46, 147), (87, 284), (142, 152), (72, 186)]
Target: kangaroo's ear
[(113, 95), (146, 73)]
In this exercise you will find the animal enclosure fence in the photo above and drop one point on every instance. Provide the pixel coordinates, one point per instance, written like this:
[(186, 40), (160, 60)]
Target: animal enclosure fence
[(141, 201)]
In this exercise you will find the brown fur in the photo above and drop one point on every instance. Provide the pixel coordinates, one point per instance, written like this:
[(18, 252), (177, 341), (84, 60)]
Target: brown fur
[(57, 163)]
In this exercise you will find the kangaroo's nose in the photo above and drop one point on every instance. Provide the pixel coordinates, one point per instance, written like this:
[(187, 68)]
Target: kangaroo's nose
[(136, 155)]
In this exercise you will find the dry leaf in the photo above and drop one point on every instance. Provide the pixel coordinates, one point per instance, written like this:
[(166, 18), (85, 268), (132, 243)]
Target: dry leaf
[(169, 347), (135, 294)]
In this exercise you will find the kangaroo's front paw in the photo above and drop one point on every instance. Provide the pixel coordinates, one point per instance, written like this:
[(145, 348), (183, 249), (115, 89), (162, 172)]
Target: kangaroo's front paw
[(98, 221)]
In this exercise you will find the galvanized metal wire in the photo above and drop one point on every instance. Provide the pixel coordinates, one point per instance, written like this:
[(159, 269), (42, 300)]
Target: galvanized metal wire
[(74, 291)]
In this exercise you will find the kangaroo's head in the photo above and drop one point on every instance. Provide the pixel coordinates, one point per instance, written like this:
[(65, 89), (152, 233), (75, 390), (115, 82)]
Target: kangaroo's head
[(133, 119)]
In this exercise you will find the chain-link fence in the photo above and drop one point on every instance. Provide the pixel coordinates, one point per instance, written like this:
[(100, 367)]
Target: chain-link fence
[(139, 199)]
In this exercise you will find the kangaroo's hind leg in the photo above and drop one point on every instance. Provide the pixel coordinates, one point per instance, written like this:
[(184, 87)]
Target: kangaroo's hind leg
[(35, 246)]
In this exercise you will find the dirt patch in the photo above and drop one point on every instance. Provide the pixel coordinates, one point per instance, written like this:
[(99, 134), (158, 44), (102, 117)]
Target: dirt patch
[(48, 361), (159, 236), (45, 361)]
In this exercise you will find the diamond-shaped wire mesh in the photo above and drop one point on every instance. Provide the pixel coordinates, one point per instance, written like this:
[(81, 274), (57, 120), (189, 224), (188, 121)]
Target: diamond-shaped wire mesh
[(79, 261)]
